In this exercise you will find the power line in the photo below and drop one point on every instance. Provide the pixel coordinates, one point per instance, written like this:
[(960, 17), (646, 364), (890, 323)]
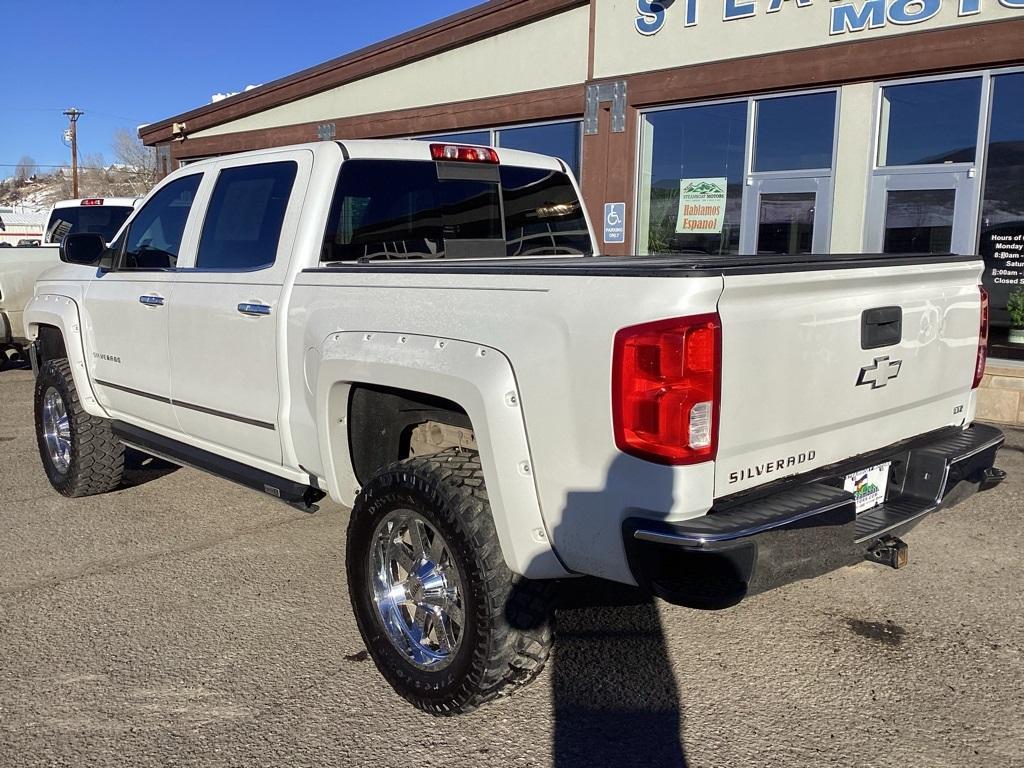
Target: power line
[(136, 120)]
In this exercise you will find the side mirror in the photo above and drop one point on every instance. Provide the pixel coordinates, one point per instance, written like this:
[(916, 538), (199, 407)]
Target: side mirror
[(83, 248)]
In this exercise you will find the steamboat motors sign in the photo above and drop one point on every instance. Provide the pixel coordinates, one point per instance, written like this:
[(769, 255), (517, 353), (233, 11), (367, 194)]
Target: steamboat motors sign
[(702, 206), (846, 15)]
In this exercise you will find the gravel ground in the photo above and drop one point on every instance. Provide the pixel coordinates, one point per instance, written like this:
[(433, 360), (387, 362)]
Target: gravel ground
[(183, 621)]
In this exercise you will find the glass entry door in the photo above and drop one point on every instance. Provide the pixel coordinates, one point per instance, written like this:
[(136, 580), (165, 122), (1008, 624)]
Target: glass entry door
[(787, 216), (922, 213)]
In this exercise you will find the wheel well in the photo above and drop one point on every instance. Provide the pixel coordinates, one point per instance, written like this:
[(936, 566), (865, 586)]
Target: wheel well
[(382, 421), (51, 343)]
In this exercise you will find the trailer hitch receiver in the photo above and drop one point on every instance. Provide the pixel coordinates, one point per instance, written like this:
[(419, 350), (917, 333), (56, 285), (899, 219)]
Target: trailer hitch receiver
[(889, 551)]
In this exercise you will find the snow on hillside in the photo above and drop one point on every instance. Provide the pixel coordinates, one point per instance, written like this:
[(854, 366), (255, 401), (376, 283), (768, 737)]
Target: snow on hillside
[(42, 191)]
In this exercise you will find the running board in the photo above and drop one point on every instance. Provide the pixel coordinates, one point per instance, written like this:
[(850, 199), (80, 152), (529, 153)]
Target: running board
[(296, 495)]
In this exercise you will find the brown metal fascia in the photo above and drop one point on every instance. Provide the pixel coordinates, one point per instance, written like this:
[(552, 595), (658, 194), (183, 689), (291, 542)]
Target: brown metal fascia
[(486, 20)]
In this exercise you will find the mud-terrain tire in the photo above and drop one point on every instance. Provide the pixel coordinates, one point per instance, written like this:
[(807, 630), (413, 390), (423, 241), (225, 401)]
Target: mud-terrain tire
[(507, 621), (79, 452)]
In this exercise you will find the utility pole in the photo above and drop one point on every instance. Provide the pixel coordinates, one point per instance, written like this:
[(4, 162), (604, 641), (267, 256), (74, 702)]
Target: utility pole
[(73, 115)]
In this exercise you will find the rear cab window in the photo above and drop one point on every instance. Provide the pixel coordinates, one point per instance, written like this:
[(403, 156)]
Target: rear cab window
[(102, 220), (411, 209)]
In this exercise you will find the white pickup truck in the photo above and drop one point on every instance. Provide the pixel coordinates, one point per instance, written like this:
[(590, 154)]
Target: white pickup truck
[(20, 267), (423, 332)]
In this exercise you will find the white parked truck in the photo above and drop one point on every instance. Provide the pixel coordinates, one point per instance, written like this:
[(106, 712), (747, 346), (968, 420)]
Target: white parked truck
[(20, 267), (423, 332)]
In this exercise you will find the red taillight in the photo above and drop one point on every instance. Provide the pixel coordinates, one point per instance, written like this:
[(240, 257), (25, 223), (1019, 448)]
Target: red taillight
[(979, 367), (93, 201), (666, 389), (462, 154)]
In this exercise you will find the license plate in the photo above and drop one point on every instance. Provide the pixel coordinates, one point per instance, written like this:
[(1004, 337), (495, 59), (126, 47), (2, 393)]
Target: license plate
[(868, 486)]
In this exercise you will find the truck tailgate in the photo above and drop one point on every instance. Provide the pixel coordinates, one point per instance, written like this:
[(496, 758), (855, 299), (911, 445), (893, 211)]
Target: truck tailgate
[(802, 387)]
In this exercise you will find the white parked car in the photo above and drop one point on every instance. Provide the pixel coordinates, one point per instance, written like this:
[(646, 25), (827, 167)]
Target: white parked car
[(424, 332), (20, 268)]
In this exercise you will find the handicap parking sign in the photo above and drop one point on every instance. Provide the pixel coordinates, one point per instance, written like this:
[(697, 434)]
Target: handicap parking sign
[(614, 222)]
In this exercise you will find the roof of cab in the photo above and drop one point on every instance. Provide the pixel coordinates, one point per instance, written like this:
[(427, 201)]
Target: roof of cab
[(388, 149), (127, 202)]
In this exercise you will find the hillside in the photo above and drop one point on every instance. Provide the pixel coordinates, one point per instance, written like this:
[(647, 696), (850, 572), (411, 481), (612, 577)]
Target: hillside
[(41, 191)]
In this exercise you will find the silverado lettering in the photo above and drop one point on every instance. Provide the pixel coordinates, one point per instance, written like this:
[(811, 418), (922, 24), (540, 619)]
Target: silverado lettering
[(772, 467)]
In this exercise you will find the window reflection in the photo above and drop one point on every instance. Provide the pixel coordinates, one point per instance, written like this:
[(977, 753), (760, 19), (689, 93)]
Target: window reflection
[(1002, 217), (561, 140), (919, 221), (482, 138), (930, 123), (786, 223), (795, 132), (701, 150)]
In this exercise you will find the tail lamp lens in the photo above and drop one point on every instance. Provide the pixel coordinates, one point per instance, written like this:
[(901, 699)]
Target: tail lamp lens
[(666, 384), (982, 361), (463, 154)]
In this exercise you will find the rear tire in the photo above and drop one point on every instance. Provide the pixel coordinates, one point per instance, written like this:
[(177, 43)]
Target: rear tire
[(505, 635), (79, 452)]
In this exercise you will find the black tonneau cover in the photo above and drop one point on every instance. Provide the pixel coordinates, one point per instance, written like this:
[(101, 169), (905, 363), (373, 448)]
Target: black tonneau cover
[(683, 265)]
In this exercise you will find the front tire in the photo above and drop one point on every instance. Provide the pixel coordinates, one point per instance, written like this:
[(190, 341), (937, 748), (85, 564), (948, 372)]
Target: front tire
[(79, 452), (446, 622)]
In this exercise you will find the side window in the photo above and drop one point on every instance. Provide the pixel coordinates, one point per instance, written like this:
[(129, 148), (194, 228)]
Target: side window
[(154, 237), (243, 224)]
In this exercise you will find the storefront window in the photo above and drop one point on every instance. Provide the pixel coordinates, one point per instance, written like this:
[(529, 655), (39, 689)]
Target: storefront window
[(470, 137), (786, 223), (795, 132), (1002, 216), (692, 183), (919, 221), (932, 123), (562, 140)]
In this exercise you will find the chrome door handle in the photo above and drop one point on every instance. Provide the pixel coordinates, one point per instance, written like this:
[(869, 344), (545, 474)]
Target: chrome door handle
[(152, 301), (254, 310)]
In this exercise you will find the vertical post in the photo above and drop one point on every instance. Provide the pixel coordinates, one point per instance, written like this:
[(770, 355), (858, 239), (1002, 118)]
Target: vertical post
[(609, 162), (73, 115)]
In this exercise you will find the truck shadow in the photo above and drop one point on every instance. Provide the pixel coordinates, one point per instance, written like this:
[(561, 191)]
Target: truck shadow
[(615, 698), (141, 468), (616, 702)]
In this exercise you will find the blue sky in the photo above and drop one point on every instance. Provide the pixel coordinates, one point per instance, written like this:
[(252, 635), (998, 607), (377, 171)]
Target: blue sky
[(128, 62)]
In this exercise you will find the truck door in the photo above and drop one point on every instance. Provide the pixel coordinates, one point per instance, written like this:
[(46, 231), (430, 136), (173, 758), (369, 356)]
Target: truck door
[(126, 309), (228, 306)]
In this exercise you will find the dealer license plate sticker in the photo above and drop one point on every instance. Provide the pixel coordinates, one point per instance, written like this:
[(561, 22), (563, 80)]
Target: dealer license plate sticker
[(868, 486)]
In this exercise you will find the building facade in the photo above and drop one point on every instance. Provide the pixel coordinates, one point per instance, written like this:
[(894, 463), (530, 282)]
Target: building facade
[(19, 225), (711, 126)]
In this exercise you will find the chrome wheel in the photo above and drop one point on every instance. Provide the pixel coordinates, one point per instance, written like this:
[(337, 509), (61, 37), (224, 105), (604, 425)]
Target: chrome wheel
[(57, 430), (417, 590)]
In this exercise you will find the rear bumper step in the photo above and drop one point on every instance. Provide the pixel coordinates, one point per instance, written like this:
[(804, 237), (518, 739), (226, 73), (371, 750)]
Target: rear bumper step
[(807, 529)]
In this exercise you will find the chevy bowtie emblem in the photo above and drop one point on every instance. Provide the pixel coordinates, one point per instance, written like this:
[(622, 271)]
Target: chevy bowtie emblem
[(880, 373)]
